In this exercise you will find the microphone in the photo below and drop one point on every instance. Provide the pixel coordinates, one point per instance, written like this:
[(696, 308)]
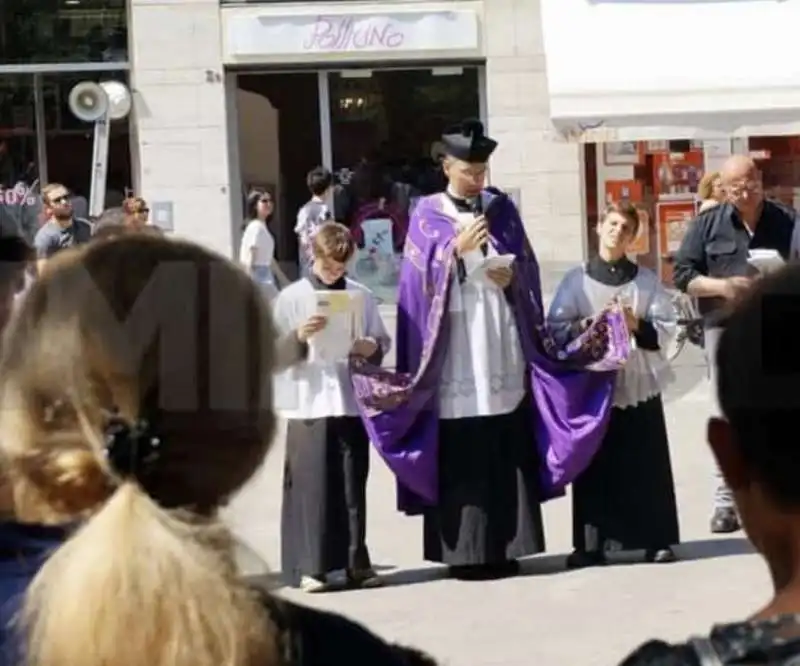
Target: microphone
[(477, 210)]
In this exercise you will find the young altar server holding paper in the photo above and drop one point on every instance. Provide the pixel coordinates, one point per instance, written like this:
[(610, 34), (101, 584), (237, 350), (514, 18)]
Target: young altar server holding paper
[(625, 499), (484, 418), (323, 519)]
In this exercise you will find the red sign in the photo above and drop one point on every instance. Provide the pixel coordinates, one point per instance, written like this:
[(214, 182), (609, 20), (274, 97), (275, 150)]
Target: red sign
[(672, 219)]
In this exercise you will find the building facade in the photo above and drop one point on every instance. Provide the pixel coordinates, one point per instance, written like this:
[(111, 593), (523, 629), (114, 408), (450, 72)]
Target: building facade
[(196, 146), (585, 103)]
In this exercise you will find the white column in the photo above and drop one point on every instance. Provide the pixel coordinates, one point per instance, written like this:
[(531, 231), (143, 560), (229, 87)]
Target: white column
[(181, 116), (547, 172)]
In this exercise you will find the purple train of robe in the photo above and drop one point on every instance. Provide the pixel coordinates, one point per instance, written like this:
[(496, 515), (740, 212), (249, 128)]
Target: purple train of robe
[(571, 388)]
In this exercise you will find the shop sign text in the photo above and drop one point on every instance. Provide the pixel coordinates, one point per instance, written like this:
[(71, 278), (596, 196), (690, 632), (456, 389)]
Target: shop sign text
[(347, 33)]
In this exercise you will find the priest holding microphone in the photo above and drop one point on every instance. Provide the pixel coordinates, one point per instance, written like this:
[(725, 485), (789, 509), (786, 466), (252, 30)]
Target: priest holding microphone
[(474, 423)]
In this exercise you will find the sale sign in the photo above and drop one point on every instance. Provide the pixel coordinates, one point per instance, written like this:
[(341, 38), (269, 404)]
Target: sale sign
[(19, 195)]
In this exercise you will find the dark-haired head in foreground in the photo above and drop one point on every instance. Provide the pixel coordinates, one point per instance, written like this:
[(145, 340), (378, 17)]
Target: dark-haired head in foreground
[(756, 447), (756, 443)]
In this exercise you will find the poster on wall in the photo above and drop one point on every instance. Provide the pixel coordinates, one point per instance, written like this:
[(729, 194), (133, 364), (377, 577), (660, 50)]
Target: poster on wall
[(672, 219), (633, 191), (677, 175), (623, 153), (376, 265)]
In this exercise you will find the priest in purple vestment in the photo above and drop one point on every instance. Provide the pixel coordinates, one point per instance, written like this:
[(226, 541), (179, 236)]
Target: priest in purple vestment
[(484, 417)]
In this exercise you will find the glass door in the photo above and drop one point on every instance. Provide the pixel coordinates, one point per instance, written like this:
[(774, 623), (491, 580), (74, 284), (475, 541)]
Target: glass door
[(19, 171), (384, 129)]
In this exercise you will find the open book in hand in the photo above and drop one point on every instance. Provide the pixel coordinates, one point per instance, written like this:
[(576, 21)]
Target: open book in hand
[(480, 269), (345, 313), (765, 260)]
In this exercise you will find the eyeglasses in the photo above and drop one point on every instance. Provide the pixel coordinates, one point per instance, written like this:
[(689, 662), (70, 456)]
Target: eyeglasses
[(737, 189)]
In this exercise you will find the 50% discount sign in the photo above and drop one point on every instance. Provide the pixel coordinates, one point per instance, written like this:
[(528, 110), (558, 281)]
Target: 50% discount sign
[(19, 195)]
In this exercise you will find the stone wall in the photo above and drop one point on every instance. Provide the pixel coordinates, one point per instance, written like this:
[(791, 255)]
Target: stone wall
[(180, 119), (547, 172)]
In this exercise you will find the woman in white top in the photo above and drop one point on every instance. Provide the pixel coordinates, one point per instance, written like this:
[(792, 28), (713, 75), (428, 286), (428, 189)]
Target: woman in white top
[(257, 249)]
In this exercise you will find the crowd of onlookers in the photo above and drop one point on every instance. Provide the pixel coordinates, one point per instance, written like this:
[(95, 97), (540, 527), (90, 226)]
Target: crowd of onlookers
[(112, 476)]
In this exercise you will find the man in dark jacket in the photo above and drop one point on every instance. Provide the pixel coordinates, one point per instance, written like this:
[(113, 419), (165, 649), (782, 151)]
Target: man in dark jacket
[(713, 265)]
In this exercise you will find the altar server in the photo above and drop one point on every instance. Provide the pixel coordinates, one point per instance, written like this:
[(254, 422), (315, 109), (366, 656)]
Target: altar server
[(477, 411), (625, 500), (323, 518)]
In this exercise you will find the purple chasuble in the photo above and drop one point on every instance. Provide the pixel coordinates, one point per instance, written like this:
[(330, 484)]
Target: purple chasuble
[(571, 388)]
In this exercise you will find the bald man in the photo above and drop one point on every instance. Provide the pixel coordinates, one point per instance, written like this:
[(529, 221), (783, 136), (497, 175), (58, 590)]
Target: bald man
[(712, 265)]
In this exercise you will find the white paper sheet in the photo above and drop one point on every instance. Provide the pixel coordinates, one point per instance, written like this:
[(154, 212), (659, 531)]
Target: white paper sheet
[(765, 260), (478, 271), (345, 312)]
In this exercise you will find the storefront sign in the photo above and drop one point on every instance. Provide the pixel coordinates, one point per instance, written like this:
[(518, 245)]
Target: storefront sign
[(297, 34)]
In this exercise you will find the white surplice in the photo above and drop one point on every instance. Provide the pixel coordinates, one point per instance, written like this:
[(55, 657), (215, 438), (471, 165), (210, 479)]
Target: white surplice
[(315, 389), (647, 372), (484, 368)]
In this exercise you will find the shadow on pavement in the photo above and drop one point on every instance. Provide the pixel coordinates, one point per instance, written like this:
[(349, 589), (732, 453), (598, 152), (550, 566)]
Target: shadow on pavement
[(542, 565), (530, 566), (274, 580), (706, 549)]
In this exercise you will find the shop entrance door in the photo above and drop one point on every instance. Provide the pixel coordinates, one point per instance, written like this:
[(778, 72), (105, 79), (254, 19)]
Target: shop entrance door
[(383, 135)]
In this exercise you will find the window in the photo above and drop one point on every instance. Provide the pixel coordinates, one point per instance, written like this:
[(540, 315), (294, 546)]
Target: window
[(61, 31)]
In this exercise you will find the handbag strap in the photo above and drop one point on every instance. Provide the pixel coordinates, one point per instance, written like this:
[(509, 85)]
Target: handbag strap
[(706, 654)]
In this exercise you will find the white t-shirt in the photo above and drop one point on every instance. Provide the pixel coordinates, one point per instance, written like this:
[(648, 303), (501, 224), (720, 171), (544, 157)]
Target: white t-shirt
[(256, 235)]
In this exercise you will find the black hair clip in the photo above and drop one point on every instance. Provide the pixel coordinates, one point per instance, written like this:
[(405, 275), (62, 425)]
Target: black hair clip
[(130, 447)]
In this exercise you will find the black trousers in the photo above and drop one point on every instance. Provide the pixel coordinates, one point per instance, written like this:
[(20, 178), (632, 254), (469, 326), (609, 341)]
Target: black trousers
[(324, 511)]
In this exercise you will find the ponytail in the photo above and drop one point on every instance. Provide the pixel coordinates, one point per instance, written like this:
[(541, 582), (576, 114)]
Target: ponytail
[(140, 586)]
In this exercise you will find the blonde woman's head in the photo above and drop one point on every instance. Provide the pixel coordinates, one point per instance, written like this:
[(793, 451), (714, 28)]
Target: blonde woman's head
[(138, 331), (710, 186)]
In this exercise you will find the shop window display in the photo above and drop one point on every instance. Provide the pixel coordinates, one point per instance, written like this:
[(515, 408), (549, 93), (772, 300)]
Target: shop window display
[(661, 178), (41, 141), (385, 131)]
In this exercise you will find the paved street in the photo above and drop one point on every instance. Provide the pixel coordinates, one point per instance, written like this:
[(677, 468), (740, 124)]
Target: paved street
[(548, 617)]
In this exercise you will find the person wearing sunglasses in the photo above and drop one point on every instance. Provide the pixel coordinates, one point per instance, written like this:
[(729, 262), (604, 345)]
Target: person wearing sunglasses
[(137, 213), (61, 228)]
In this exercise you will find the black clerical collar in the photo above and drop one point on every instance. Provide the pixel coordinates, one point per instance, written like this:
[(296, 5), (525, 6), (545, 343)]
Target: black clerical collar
[(462, 205), (612, 273), (340, 284)]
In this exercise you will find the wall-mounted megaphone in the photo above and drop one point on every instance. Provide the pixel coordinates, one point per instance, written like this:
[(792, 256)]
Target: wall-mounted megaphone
[(99, 103), (90, 101)]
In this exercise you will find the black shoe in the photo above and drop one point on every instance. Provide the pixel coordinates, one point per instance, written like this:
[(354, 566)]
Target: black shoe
[(660, 555), (724, 521), (485, 571), (580, 559)]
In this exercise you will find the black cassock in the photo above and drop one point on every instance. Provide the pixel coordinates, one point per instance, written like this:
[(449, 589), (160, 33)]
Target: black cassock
[(489, 512), (324, 514), (625, 500), (324, 508)]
